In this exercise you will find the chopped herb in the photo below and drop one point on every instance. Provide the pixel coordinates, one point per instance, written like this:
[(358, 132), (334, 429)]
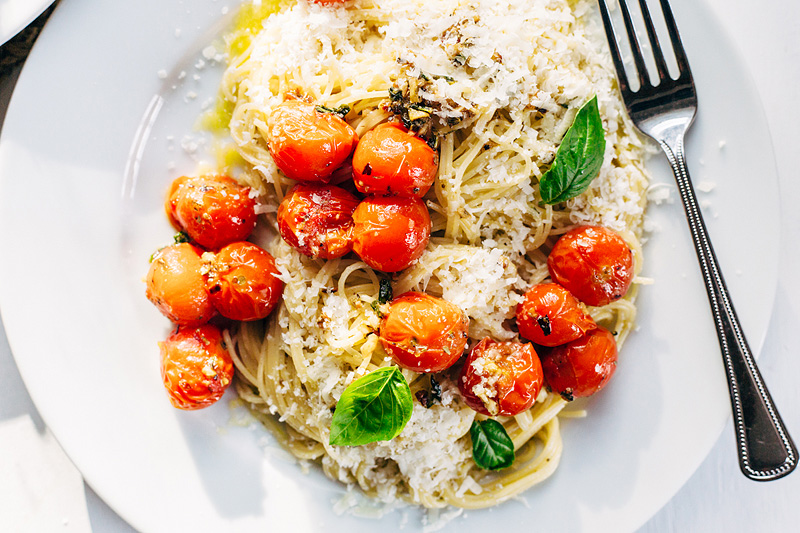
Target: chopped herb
[(395, 94), (544, 323), (385, 291), (436, 391), (423, 398), (416, 112), (342, 110), (567, 395), (181, 237), (367, 170), (427, 397), (459, 60)]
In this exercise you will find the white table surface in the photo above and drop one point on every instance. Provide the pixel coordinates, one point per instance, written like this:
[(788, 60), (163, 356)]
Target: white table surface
[(40, 489)]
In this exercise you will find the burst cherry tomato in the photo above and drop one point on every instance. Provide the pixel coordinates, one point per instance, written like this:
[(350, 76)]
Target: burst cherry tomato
[(501, 378), (391, 160), (175, 284), (308, 145), (318, 220), (581, 367), (390, 233), (550, 316), (424, 333), (243, 282), (593, 263), (213, 210), (195, 366)]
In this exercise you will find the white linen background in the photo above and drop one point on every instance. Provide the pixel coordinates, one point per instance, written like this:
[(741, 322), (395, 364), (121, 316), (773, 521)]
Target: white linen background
[(40, 490)]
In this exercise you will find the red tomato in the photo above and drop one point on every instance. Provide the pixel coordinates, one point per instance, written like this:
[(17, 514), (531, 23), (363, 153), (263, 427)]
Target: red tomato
[(424, 333), (171, 204), (593, 263), (175, 284), (501, 378), (550, 316), (390, 233), (581, 367), (318, 220), (391, 160), (243, 282), (306, 144), (195, 366), (213, 210)]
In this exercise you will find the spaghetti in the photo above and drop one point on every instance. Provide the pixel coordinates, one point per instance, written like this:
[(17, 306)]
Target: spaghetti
[(501, 83)]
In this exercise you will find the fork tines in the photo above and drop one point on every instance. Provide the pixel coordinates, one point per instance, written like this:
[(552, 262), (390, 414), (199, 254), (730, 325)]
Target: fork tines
[(636, 50)]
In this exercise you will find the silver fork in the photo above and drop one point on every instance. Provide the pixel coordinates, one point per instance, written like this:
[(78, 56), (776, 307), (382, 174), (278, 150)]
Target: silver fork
[(664, 112)]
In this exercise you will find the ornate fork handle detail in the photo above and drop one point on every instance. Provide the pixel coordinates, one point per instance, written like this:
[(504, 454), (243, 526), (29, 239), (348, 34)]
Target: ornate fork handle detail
[(765, 450)]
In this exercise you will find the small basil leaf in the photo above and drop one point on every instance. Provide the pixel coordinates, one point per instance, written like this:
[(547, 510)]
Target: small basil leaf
[(374, 407), (578, 159), (492, 448)]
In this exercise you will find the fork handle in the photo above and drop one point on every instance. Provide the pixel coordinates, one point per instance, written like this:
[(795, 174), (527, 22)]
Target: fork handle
[(766, 450)]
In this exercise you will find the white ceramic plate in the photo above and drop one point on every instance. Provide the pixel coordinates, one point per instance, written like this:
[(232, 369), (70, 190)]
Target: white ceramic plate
[(81, 211), (16, 14)]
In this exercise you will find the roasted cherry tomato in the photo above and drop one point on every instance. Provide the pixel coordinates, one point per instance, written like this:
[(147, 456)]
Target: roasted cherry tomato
[(243, 282), (501, 378), (390, 233), (424, 333), (213, 210), (593, 263), (391, 160), (307, 144), (195, 366), (318, 220), (171, 204), (175, 284), (550, 316), (581, 367)]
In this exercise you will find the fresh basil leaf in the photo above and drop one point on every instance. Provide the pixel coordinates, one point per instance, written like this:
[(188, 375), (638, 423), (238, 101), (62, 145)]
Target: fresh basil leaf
[(492, 448), (578, 159), (374, 407)]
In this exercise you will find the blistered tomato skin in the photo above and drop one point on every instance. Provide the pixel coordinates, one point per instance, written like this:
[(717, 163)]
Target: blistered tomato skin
[(390, 233), (501, 378), (195, 366), (391, 160), (582, 367), (177, 287), (243, 282), (593, 263), (424, 333), (171, 204), (550, 316), (317, 220), (306, 144), (213, 210)]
